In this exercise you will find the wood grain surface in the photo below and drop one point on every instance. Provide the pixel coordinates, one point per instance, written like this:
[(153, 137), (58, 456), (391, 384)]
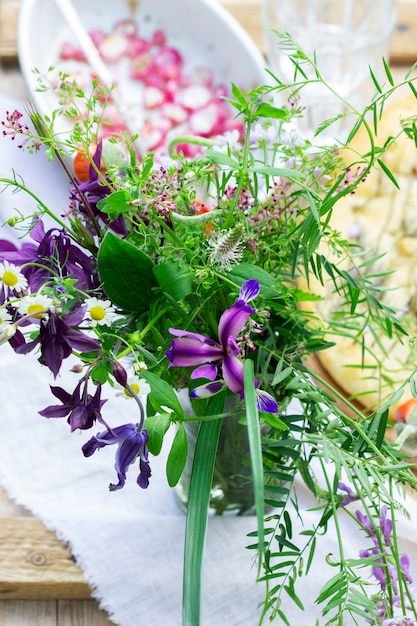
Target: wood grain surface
[(40, 584)]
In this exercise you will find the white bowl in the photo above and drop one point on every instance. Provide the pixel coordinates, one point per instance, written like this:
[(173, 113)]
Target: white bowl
[(201, 30)]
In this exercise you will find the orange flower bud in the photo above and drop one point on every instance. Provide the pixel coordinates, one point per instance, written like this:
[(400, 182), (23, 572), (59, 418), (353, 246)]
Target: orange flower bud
[(406, 409), (82, 165)]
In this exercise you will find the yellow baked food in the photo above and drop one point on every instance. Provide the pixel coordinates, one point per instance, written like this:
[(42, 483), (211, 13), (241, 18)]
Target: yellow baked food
[(380, 220)]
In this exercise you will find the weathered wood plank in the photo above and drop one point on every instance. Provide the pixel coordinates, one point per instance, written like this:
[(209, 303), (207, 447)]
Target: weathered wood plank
[(81, 613), (34, 564), (28, 613)]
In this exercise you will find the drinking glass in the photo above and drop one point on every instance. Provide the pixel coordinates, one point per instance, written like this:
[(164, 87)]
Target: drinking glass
[(345, 38)]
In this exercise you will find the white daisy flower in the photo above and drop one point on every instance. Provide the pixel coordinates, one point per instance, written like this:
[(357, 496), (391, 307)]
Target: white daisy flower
[(139, 387), (5, 319), (140, 366), (101, 312), (35, 305), (12, 277)]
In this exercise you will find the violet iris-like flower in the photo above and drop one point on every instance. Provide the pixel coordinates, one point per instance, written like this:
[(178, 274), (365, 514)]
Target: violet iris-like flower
[(132, 442), (58, 337), (83, 408), (191, 349)]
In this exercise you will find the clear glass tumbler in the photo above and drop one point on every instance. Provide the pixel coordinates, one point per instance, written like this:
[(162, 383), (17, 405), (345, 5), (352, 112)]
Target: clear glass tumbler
[(346, 38)]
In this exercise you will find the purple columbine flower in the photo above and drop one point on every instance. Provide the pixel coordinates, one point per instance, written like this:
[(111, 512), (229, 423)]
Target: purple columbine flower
[(132, 442), (83, 408), (95, 190), (58, 337), (191, 349), (54, 249)]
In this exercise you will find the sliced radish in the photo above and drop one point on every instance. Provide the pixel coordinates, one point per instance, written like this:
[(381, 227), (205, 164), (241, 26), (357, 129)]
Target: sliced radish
[(175, 112), (137, 46), (168, 63), (158, 38), (97, 36), (205, 120), (155, 83), (151, 138), (141, 67), (153, 97), (67, 51), (194, 97), (114, 46), (189, 150), (126, 27)]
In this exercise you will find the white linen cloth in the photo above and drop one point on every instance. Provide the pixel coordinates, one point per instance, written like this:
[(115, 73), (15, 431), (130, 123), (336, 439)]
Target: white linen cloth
[(129, 543)]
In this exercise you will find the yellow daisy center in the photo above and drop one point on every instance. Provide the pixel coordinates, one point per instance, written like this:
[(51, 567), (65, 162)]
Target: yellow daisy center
[(134, 387), (36, 310), (97, 313), (9, 278)]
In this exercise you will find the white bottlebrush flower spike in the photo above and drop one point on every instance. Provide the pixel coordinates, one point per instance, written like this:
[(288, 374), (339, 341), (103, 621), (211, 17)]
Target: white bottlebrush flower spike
[(227, 248)]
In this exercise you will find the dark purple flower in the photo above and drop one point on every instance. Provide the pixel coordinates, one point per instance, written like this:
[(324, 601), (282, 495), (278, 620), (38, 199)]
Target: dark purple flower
[(82, 408), (94, 190), (191, 349), (58, 337), (132, 442), (54, 250)]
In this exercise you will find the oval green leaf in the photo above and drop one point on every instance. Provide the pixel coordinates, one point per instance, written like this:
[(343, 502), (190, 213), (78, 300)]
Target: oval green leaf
[(176, 280), (126, 274), (177, 456)]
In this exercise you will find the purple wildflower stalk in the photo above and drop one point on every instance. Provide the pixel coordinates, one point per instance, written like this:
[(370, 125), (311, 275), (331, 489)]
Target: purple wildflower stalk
[(390, 576)]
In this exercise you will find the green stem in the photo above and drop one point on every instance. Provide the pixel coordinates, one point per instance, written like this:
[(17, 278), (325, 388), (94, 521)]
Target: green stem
[(15, 183)]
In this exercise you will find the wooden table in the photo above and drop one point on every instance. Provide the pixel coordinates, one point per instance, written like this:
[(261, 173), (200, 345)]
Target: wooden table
[(40, 585)]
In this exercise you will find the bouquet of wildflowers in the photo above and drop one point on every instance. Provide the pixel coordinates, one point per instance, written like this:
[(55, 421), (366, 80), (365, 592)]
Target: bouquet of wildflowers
[(169, 274)]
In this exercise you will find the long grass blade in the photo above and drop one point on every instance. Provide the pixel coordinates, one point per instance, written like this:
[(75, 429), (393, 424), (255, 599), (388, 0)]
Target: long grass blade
[(255, 449), (197, 511)]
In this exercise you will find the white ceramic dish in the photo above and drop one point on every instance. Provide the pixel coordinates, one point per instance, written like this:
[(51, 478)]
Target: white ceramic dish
[(201, 30)]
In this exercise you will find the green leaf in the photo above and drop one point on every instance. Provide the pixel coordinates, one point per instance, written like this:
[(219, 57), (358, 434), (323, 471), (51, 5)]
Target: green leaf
[(388, 72), (388, 173), (221, 158), (162, 394), (374, 80), (198, 503), (174, 279), (246, 271), (268, 110), (115, 203), (177, 456), (255, 449), (278, 171), (156, 426), (126, 273)]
